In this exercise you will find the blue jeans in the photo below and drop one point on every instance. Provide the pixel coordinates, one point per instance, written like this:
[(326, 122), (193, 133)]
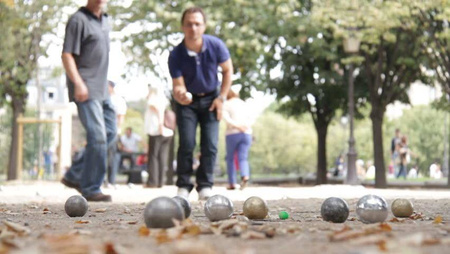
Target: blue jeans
[(113, 161), (99, 120), (402, 171), (239, 144), (188, 117)]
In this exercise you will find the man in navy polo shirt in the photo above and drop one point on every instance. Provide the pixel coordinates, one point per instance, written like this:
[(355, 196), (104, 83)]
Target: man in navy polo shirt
[(193, 65)]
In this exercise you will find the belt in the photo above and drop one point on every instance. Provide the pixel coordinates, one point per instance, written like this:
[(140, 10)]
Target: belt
[(204, 94)]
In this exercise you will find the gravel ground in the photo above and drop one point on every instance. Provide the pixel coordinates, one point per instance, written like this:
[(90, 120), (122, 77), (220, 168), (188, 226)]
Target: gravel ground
[(38, 224)]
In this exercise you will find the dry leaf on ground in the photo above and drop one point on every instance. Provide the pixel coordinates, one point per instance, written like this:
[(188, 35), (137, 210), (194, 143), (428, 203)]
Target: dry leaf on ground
[(437, 220), (193, 247), (80, 232), (346, 234), (100, 210), (250, 234), (82, 221), (395, 219), (416, 216), (144, 231), (19, 229)]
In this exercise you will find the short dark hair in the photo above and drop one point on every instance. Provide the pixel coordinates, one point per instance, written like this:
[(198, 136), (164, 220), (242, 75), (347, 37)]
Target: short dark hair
[(193, 10)]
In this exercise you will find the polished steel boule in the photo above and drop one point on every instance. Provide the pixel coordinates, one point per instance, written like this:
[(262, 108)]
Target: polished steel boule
[(218, 208), (372, 209)]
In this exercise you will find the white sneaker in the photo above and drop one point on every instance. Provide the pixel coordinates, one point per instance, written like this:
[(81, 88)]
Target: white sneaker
[(183, 192), (204, 193)]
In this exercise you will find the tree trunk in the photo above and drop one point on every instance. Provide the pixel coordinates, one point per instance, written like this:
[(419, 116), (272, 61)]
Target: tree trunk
[(17, 109), (376, 116), (322, 154), (448, 151)]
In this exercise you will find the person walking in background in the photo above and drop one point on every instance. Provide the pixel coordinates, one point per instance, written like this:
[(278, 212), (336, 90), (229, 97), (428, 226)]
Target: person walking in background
[(129, 146), (120, 108), (395, 141), (193, 66), (85, 58), (238, 137), (159, 137), (404, 155), (120, 105)]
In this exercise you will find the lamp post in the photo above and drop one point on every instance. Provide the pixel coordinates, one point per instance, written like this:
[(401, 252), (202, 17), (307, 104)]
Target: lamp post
[(351, 46)]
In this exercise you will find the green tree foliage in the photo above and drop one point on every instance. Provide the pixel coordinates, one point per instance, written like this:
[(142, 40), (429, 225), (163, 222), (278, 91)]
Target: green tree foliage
[(153, 27), (23, 27), (312, 76), (301, 39), (282, 146), (391, 51), (261, 36), (433, 20)]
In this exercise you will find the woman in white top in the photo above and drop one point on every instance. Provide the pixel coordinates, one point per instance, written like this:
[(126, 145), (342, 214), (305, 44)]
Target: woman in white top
[(159, 137), (238, 137)]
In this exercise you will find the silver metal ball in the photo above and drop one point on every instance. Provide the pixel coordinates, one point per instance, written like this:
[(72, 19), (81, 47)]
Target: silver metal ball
[(255, 208), (76, 206), (335, 210), (160, 212), (402, 207), (184, 203), (372, 209), (218, 207)]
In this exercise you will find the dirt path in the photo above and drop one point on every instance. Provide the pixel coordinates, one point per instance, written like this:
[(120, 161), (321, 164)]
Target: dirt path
[(118, 227)]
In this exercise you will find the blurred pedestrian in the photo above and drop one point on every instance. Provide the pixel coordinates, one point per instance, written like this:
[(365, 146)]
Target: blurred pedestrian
[(120, 108), (404, 155), (238, 137), (159, 137), (395, 141)]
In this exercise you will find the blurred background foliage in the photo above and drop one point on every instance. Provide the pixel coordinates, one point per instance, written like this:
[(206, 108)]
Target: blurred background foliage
[(290, 48)]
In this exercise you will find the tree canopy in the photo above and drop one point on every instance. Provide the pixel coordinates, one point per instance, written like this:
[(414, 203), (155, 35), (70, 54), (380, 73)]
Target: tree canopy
[(24, 25)]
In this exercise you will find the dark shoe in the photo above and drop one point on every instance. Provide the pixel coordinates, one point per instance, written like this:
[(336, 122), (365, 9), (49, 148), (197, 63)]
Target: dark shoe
[(231, 187), (70, 184), (99, 197)]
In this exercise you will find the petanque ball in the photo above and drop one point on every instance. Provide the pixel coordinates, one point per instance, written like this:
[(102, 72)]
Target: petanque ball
[(76, 206), (402, 207), (334, 210), (218, 208), (372, 209), (184, 203), (160, 212), (255, 208)]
